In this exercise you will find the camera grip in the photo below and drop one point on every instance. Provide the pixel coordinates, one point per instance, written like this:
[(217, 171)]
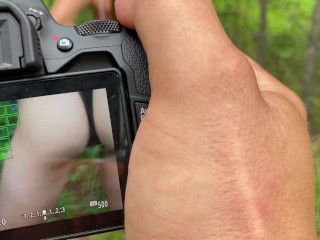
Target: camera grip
[(136, 58)]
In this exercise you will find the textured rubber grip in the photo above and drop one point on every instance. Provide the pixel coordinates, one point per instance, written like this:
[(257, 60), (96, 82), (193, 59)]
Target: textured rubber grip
[(99, 27), (135, 56)]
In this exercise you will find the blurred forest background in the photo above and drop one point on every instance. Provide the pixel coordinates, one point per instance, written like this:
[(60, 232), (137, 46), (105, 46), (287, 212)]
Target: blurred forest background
[(283, 36)]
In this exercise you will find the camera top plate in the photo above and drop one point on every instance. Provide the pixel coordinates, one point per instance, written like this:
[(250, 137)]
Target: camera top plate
[(60, 45)]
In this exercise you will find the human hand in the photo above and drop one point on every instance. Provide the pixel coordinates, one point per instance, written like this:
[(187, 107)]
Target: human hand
[(224, 151)]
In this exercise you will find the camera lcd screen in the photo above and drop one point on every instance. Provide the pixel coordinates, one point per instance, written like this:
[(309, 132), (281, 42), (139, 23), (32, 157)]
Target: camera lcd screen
[(63, 153)]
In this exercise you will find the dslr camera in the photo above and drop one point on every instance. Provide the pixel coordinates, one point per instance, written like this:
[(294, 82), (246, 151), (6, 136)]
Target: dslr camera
[(71, 101)]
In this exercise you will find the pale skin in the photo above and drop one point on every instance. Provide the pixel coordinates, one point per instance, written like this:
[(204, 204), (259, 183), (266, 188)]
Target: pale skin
[(53, 131), (224, 152)]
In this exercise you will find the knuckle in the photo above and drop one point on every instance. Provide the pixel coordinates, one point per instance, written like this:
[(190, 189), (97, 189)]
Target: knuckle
[(235, 76), (235, 63), (235, 69)]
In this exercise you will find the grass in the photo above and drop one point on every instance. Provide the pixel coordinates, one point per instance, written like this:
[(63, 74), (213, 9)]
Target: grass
[(117, 235), (83, 186)]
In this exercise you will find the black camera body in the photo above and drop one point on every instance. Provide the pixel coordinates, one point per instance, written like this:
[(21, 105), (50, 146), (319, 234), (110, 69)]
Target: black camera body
[(42, 47), (40, 59)]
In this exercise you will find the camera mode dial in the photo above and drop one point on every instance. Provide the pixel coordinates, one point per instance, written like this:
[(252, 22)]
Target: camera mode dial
[(35, 19)]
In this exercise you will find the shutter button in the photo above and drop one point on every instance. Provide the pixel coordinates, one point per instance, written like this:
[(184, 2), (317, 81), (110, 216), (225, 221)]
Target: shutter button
[(65, 44)]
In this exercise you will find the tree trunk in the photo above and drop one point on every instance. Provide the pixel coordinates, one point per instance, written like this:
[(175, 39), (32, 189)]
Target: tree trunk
[(262, 37), (311, 59)]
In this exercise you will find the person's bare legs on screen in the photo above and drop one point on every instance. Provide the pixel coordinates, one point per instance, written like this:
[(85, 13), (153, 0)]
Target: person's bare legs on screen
[(109, 165), (53, 131)]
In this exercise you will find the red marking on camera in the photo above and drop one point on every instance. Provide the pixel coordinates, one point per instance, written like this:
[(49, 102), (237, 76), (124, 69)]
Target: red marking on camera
[(55, 38)]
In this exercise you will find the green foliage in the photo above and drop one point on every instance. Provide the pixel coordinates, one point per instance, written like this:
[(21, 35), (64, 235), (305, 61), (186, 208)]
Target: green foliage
[(48, 3), (83, 186), (287, 34), (288, 30), (86, 15), (119, 235)]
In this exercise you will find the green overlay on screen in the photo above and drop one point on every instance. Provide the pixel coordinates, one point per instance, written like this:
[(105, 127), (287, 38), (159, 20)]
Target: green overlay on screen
[(9, 119)]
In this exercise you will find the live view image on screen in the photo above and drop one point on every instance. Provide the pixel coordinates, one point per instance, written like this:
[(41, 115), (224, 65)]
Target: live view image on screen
[(57, 159)]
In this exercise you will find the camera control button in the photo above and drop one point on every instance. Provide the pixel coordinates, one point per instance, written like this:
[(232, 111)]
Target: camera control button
[(65, 44), (141, 110), (36, 20)]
